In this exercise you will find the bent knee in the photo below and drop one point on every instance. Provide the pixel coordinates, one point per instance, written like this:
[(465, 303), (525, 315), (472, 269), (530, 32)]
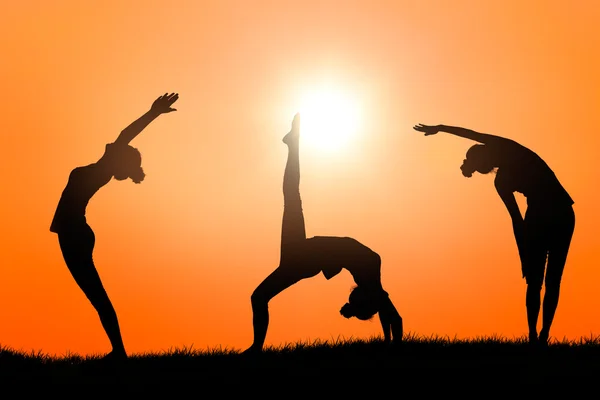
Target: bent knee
[(99, 298), (259, 298)]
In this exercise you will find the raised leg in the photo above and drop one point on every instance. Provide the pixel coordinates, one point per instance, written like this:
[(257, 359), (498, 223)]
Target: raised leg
[(293, 231), (293, 236)]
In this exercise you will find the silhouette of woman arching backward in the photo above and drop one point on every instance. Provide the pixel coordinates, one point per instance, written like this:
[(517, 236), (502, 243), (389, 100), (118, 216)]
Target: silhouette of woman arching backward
[(544, 234), (303, 258), (75, 236)]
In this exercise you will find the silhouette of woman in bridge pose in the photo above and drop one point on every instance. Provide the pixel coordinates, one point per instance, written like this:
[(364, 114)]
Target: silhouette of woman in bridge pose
[(76, 238), (303, 258), (544, 234)]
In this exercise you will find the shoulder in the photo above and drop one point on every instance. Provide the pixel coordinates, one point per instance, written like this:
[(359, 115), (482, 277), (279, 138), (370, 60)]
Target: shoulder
[(80, 171), (115, 147), (112, 147), (507, 146)]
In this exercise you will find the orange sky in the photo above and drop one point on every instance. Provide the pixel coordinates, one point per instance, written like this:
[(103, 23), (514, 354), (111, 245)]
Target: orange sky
[(181, 253)]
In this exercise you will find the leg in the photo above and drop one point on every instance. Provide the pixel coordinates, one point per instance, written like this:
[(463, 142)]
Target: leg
[(77, 251), (534, 265), (532, 302), (292, 227), (293, 235), (278, 281), (557, 258)]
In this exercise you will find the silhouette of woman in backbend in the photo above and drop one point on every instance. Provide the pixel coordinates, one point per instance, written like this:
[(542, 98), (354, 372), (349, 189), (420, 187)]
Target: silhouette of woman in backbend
[(544, 234), (303, 258), (76, 238)]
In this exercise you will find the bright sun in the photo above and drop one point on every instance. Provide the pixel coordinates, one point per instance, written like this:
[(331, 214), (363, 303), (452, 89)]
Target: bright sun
[(329, 119)]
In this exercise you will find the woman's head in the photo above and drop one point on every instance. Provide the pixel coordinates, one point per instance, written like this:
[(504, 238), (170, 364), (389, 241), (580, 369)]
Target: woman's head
[(127, 163), (478, 158), (363, 303)]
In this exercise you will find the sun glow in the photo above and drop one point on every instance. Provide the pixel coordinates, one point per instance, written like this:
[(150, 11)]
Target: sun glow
[(329, 119)]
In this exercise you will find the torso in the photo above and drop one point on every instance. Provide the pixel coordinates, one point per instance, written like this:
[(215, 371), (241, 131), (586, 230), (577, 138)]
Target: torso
[(83, 183), (525, 172), (331, 254)]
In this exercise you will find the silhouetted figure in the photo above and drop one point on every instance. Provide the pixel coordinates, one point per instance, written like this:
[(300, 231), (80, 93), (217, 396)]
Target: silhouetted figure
[(76, 238), (303, 258), (545, 232)]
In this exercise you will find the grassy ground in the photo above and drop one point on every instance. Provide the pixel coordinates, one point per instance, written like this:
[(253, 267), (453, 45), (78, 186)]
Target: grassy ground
[(485, 366)]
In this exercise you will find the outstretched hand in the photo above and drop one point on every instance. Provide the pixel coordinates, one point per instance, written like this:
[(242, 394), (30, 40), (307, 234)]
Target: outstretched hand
[(163, 104), (427, 129)]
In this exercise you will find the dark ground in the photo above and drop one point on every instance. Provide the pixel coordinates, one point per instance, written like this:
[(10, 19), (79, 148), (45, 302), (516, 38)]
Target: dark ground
[(486, 368)]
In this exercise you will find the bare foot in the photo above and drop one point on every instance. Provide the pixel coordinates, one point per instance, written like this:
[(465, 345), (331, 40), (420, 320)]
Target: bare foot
[(533, 339), (114, 357), (251, 351), (294, 134)]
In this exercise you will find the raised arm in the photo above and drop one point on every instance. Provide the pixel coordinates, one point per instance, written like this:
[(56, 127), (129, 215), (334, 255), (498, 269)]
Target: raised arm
[(161, 105), (462, 132)]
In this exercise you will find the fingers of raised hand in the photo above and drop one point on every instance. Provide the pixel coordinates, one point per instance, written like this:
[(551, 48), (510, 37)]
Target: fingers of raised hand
[(173, 98)]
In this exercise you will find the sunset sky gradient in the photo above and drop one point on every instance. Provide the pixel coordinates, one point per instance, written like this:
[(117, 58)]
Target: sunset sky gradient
[(181, 253)]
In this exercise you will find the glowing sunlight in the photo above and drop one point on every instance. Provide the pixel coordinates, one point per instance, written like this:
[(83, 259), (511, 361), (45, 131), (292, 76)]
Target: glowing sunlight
[(330, 118)]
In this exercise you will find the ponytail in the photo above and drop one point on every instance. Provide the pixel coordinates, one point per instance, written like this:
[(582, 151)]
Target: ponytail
[(138, 175), (347, 311)]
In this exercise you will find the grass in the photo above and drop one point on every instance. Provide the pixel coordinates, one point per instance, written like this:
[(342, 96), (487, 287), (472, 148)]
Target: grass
[(422, 363)]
